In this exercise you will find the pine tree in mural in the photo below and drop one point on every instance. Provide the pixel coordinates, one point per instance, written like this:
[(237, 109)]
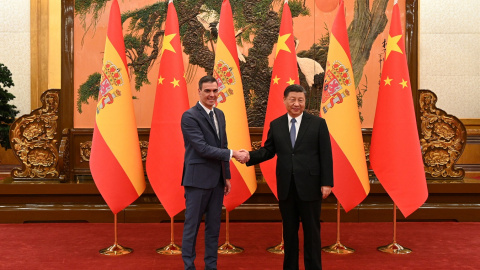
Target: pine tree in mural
[(7, 111), (257, 22)]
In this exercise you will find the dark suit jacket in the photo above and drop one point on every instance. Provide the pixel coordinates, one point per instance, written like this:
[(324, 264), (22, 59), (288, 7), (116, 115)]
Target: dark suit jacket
[(310, 162), (206, 156)]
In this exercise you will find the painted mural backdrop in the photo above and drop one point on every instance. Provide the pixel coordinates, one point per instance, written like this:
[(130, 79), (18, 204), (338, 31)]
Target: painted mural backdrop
[(256, 24)]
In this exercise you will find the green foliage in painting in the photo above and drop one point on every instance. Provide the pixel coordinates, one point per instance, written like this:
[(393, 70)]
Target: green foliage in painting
[(7, 111)]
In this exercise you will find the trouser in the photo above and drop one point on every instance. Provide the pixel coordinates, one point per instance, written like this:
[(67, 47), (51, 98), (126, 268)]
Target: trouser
[(293, 209), (198, 202)]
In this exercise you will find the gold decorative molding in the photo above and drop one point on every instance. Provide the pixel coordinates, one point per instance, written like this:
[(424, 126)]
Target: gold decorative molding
[(256, 145), (366, 147), (144, 149), (86, 150), (442, 138), (64, 156), (33, 139)]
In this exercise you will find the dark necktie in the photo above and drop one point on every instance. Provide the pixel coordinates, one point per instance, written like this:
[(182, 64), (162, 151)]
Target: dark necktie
[(213, 122), (293, 132), (211, 118)]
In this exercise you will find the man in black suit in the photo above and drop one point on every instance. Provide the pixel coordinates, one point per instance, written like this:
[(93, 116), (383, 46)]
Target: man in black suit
[(304, 174), (206, 172)]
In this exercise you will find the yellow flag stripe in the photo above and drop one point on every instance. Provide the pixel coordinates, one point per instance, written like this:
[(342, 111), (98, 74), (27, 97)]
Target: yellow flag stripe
[(236, 116), (342, 119), (116, 123)]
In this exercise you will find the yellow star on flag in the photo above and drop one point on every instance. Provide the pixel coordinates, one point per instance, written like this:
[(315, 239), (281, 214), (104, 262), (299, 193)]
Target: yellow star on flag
[(281, 44), (403, 83), (160, 80), (387, 81), (275, 80), (175, 82), (292, 81), (392, 45), (167, 43)]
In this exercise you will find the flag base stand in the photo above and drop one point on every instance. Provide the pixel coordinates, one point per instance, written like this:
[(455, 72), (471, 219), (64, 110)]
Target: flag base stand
[(338, 248), (278, 249), (116, 250), (228, 248), (394, 248), (170, 249)]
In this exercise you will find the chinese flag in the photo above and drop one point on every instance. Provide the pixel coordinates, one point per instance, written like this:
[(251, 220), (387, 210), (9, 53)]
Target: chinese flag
[(166, 146), (232, 102), (339, 108), (395, 154), (284, 73), (115, 160)]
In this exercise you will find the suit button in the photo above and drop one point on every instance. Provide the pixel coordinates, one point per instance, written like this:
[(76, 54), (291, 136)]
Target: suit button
[(293, 155)]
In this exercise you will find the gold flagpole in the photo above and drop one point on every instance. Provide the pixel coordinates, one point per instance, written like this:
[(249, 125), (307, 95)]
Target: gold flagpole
[(338, 247), (394, 247), (115, 249), (228, 248), (278, 249), (172, 248)]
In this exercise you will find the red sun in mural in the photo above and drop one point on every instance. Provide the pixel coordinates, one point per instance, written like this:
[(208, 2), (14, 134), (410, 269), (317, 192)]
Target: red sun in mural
[(326, 5)]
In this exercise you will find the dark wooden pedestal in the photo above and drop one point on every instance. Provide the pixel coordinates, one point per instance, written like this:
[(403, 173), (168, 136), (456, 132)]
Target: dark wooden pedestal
[(80, 202)]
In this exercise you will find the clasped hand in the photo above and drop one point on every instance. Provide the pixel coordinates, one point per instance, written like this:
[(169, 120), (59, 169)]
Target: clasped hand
[(241, 155)]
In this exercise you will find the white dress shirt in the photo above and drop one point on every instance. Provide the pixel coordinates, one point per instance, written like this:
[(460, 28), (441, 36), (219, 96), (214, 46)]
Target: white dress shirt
[(207, 110), (297, 124)]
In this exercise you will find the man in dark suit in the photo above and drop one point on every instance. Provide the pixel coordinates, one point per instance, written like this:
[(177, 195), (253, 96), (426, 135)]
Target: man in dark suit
[(206, 172), (304, 174)]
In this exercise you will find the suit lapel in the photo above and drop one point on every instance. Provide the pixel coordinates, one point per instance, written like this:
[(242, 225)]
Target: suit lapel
[(207, 117), (285, 131), (221, 127), (303, 127)]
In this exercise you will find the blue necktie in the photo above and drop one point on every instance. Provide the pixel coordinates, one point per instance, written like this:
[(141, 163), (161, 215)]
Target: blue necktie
[(293, 132)]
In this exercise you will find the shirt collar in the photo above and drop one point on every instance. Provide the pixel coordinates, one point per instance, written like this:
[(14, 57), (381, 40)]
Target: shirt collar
[(207, 110), (298, 118)]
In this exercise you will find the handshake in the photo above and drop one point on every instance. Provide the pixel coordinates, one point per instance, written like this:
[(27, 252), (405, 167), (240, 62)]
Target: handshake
[(241, 155)]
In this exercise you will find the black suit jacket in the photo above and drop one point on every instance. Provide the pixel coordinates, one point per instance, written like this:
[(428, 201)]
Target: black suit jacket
[(310, 162), (206, 155)]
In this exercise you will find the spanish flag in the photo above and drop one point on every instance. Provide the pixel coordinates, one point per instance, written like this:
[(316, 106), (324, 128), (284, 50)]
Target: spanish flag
[(339, 109), (115, 160), (284, 73), (166, 146), (232, 102), (395, 153)]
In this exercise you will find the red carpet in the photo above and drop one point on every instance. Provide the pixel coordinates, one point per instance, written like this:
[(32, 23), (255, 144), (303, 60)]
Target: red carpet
[(435, 245)]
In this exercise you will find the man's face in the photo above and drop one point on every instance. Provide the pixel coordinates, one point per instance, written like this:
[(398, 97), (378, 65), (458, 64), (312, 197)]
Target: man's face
[(208, 94), (295, 103)]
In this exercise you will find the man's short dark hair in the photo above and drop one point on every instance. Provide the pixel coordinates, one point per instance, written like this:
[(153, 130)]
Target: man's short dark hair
[(205, 79), (294, 88)]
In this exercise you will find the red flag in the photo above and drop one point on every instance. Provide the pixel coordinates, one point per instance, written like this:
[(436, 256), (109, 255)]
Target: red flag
[(284, 73), (115, 160), (232, 102), (165, 149), (339, 108), (395, 153)]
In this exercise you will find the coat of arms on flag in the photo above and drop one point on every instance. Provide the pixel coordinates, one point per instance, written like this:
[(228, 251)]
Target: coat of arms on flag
[(225, 77), (334, 91)]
